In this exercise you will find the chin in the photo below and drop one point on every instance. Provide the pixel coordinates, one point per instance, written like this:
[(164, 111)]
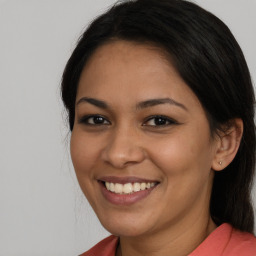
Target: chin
[(125, 231), (128, 226)]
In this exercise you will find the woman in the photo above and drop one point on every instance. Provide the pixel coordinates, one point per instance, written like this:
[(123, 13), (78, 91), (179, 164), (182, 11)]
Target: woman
[(161, 109)]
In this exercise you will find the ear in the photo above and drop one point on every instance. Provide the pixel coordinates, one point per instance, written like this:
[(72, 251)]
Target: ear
[(228, 143)]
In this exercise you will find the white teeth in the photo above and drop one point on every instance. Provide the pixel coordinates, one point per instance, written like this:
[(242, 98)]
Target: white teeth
[(128, 188), (136, 187), (118, 188), (112, 187), (143, 186)]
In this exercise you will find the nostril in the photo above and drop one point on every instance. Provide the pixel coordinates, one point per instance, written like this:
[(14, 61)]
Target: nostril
[(121, 156)]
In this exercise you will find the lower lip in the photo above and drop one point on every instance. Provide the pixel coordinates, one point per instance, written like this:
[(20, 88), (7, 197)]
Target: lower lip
[(124, 199)]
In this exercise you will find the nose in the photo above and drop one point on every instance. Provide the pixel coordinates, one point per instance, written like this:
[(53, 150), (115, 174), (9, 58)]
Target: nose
[(123, 149)]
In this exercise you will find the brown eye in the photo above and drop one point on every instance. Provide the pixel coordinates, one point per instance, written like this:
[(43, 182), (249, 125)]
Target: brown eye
[(94, 120), (159, 121)]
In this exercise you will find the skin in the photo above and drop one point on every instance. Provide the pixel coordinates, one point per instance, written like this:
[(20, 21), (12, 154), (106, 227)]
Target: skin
[(180, 154)]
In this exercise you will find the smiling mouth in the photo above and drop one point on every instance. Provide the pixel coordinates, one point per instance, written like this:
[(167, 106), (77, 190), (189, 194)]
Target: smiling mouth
[(125, 191), (128, 188)]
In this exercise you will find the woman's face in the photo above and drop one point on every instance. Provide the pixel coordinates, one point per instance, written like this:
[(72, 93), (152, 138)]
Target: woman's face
[(141, 144)]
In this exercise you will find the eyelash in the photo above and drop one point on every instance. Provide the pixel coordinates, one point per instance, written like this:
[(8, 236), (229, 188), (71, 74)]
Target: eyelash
[(85, 120), (166, 121)]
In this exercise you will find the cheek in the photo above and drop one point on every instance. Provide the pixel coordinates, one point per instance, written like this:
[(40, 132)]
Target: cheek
[(187, 154), (185, 164), (84, 157), (83, 154)]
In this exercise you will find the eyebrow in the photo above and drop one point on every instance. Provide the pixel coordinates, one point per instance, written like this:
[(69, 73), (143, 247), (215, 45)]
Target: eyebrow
[(98, 103), (141, 105), (154, 102)]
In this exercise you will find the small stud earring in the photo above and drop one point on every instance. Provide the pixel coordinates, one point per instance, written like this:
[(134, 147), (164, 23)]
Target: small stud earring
[(220, 163)]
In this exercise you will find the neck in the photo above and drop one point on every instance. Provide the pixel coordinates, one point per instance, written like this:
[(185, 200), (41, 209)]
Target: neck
[(176, 240)]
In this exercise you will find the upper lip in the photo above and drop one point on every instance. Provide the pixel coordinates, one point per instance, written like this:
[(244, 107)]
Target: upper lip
[(124, 180)]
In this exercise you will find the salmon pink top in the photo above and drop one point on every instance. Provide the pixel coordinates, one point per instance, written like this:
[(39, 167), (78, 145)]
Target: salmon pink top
[(223, 241)]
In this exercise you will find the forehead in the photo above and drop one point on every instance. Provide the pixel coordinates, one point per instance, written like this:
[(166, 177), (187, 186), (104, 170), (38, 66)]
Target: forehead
[(131, 70), (127, 52)]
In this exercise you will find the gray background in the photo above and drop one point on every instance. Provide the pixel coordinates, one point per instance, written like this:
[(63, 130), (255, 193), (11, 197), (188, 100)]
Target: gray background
[(42, 211)]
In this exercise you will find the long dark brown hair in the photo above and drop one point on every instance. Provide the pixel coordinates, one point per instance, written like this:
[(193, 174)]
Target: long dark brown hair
[(209, 59)]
